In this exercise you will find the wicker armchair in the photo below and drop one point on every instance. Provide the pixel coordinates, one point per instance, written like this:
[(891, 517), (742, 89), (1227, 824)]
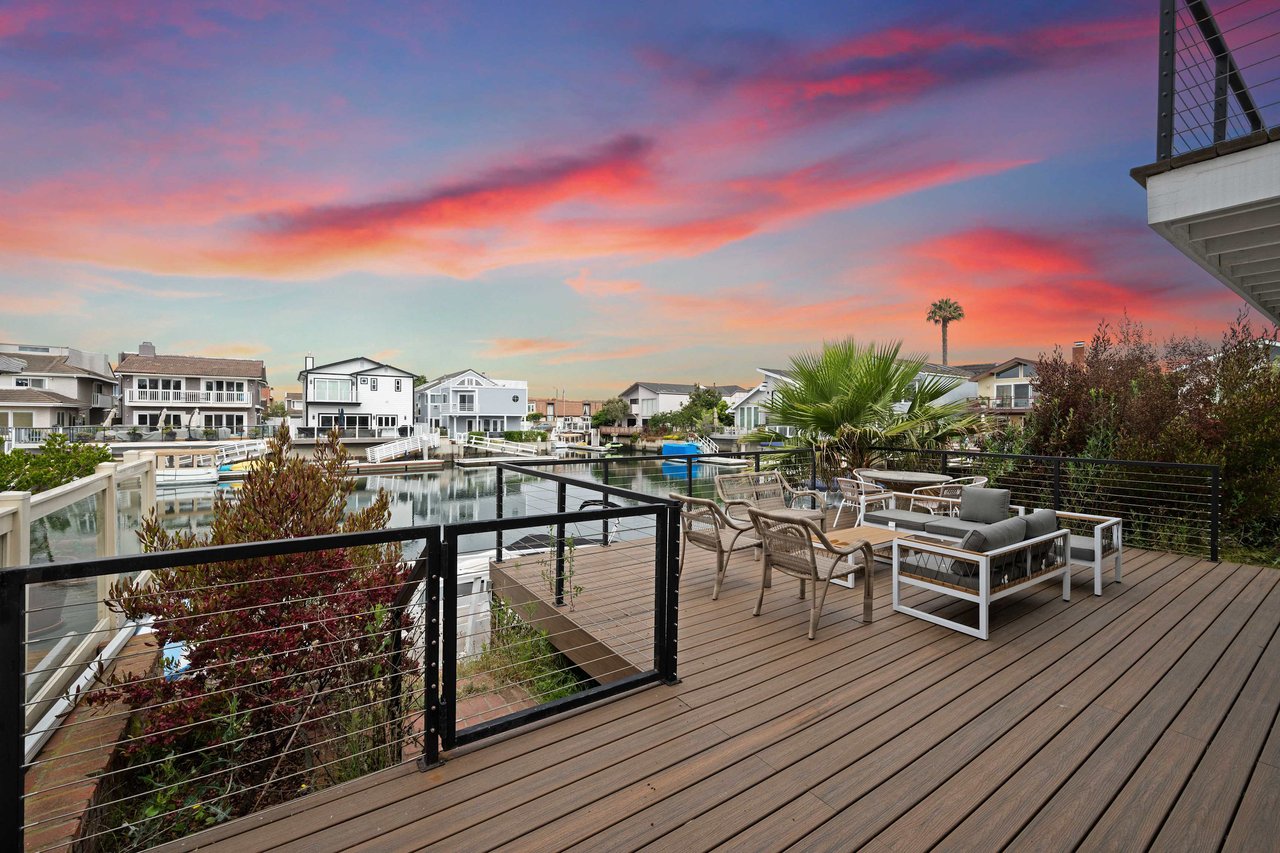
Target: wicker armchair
[(791, 546), (950, 491), (704, 524), (767, 490)]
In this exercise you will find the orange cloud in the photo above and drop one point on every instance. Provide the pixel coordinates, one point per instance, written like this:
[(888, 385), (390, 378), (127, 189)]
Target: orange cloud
[(1004, 250), (583, 283), (508, 347), (608, 355)]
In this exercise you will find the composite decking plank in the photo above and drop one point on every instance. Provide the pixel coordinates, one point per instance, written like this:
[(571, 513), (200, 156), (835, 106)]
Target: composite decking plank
[(767, 722), (452, 796), (589, 818), (442, 796), (1138, 811), (1203, 677), (1257, 822), (963, 731), (817, 751), (1202, 816), (1013, 778)]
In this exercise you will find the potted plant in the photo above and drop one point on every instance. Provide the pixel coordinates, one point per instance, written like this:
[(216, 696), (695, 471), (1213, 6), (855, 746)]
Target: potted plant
[(210, 433), (170, 434), (134, 434)]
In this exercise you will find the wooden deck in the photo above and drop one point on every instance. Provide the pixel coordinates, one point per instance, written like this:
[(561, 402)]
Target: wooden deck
[(1144, 718)]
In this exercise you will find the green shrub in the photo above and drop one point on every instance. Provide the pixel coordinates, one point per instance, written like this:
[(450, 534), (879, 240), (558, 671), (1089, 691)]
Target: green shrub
[(59, 461)]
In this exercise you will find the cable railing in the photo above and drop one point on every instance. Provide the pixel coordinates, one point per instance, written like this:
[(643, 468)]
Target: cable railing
[(243, 676), (1204, 99), (1171, 506)]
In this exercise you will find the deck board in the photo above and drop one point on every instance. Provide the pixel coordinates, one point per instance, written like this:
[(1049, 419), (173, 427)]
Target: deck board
[(1097, 720)]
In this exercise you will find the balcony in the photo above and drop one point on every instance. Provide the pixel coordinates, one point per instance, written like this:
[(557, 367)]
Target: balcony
[(1139, 718), (102, 401), (1214, 189), (146, 396), (1007, 404)]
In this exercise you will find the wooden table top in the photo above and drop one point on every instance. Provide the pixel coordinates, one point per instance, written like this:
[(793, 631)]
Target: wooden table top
[(879, 537)]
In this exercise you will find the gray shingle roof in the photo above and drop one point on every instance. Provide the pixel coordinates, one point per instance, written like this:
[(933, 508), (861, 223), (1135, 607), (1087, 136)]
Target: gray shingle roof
[(35, 395), (191, 365), (36, 363)]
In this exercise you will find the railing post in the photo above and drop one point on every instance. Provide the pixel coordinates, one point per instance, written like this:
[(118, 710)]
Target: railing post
[(497, 534), (1166, 110), (1057, 483), (604, 525), (1215, 510), (13, 684), (18, 543), (436, 709), (688, 477), (813, 467), (756, 457), (561, 497), (667, 593), (942, 464), (108, 521)]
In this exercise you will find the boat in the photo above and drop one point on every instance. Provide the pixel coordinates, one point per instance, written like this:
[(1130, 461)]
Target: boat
[(174, 468), (614, 445)]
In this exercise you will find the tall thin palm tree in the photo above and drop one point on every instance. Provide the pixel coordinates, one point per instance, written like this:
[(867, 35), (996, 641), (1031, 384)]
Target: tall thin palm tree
[(945, 312), (850, 398)]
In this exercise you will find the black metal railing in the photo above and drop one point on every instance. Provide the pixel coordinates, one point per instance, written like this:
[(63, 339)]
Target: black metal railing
[(1203, 97), (1171, 506), (340, 655)]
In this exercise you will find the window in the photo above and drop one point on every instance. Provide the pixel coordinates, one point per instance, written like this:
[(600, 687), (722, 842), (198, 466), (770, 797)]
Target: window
[(635, 401), (216, 421), (399, 385), (373, 384), (328, 421), (385, 421), (586, 410), (335, 390), (22, 348), (29, 382), (154, 383)]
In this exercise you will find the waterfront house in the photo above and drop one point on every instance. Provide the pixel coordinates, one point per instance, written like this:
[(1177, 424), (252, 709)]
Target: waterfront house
[(749, 410), (356, 393), (50, 386), (191, 392), (469, 401), (1006, 392), (564, 414), (649, 398), (293, 405)]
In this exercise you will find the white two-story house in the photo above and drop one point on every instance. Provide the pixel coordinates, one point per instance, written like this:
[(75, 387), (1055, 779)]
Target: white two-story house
[(469, 401), (190, 392), (50, 386), (356, 393), (1007, 390), (649, 398)]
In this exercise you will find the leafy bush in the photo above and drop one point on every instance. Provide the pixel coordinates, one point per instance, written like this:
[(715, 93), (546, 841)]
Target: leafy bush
[(59, 461), (289, 684), (524, 435)]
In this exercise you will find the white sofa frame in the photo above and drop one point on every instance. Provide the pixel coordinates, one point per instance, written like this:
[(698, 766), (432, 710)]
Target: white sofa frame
[(984, 595), (1101, 524)]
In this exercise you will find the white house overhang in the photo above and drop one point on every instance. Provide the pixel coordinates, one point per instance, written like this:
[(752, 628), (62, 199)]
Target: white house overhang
[(1224, 214)]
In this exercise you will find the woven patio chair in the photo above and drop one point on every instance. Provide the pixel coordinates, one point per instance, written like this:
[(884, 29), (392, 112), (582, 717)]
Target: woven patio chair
[(767, 490), (792, 546), (705, 525)]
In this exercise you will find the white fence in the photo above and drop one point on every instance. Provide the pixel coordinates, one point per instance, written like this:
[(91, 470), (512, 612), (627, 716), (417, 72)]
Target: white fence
[(64, 661)]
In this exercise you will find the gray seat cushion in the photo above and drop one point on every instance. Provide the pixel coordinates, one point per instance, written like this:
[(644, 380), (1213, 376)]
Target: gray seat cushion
[(1082, 548), (956, 528), (984, 505), (905, 519), (811, 514)]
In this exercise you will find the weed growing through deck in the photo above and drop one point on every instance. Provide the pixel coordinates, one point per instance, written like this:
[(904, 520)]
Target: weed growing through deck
[(548, 573)]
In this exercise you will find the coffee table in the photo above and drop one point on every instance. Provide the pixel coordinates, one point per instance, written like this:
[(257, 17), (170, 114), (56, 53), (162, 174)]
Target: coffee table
[(881, 540)]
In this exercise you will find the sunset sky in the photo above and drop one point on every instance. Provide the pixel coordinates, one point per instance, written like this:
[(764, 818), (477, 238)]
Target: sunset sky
[(579, 194)]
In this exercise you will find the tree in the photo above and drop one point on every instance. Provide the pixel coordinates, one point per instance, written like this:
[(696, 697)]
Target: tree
[(420, 379), (534, 417), (59, 461), (288, 686), (943, 313), (612, 412), (850, 398), (277, 409)]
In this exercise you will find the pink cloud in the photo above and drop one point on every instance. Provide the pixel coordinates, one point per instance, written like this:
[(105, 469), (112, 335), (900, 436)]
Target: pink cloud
[(583, 283), (509, 347)]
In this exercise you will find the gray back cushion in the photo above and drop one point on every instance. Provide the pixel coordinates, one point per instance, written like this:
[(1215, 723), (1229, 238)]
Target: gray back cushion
[(985, 505), (1040, 523), (988, 538)]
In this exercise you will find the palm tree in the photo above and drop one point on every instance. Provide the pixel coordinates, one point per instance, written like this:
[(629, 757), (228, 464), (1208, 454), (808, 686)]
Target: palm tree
[(943, 313), (850, 398)]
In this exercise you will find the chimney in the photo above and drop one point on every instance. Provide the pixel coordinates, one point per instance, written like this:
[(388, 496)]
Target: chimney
[(1077, 353), (309, 362), (147, 348)]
